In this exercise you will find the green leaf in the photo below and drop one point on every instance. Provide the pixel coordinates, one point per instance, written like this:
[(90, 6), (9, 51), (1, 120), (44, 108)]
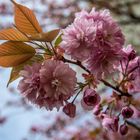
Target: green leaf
[(15, 70), (58, 40)]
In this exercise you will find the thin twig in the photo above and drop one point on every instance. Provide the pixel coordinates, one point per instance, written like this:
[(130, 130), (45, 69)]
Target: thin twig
[(76, 63)]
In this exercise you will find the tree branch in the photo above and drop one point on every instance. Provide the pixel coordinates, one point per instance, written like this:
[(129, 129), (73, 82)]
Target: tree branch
[(132, 124)]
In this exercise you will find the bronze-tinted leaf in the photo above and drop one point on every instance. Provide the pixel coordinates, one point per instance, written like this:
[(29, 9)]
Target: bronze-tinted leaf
[(12, 34), (14, 74), (46, 37), (14, 53), (15, 70), (25, 20)]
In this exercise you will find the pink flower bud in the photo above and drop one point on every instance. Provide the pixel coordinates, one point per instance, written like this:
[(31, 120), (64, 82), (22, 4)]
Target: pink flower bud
[(130, 52), (91, 98), (110, 124), (70, 110), (96, 110), (116, 122), (123, 129), (127, 112)]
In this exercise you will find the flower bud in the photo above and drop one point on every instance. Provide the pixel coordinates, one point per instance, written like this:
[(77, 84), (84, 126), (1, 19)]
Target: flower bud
[(91, 98), (130, 52), (127, 112), (70, 110), (132, 55), (123, 129), (116, 122)]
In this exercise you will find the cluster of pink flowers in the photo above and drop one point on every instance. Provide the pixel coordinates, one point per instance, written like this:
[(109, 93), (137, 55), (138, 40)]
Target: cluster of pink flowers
[(111, 123), (96, 38), (130, 68), (49, 84), (95, 43)]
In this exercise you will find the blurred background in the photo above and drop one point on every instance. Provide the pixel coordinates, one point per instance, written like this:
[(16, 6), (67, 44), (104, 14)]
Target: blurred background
[(19, 120)]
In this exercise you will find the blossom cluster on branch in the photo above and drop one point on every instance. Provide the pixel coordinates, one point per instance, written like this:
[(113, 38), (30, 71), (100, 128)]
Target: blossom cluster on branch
[(95, 43)]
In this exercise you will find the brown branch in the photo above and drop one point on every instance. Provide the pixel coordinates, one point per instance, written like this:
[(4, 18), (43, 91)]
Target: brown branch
[(133, 124), (76, 63), (115, 88), (103, 81)]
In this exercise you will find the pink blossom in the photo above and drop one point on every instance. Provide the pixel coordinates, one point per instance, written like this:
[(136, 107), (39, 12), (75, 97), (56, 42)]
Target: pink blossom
[(91, 98), (70, 110), (127, 112), (108, 32), (30, 86), (107, 45), (110, 124), (135, 66), (58, 81), (129, 59), (78, 39), (94, 37), (103, 60), (95, 15), (130, 52), (48, 85), (133, 71), (123, 129), (90, 30)]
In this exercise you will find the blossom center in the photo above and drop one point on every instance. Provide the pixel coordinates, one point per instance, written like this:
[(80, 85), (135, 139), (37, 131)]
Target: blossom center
[(55, 83)]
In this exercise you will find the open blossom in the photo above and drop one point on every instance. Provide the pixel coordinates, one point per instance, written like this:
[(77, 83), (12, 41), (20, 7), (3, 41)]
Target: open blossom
[(108, 43), (108, 31), (110, 124), (30, 86), (94, 37), (78, 38), (48, 85), (103, 60), (58, 81), (95, 15)]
